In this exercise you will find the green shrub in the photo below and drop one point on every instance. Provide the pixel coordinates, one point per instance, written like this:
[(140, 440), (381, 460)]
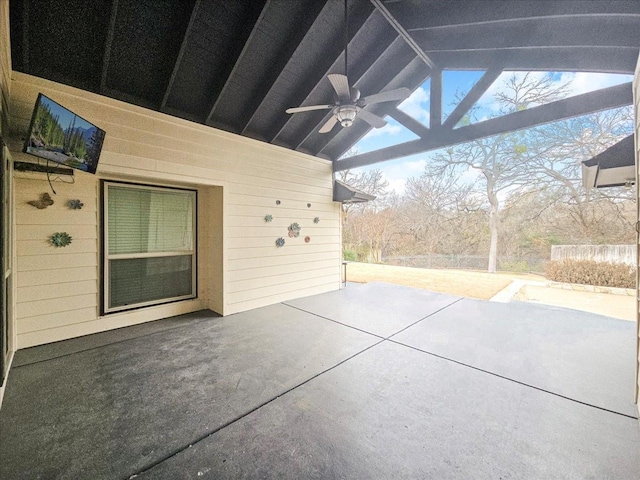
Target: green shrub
[(589, 272), (349, 255)]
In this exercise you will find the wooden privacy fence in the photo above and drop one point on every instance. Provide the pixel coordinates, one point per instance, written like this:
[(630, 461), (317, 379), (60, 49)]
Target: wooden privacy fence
[(599, 253)]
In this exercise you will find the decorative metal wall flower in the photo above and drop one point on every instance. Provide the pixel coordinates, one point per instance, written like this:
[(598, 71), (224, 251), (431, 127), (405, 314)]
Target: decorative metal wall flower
[(280, 242), (60, 239), (294, 230), (268, 218), (44, 201), (75, 204), (316, 220)]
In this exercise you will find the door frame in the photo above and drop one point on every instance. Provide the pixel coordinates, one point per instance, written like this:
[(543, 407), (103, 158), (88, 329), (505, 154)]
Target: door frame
[(7, 330)]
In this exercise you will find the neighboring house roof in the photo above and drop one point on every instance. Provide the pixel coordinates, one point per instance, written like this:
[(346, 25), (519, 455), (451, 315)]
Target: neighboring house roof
[(237, 65), (615, 167)]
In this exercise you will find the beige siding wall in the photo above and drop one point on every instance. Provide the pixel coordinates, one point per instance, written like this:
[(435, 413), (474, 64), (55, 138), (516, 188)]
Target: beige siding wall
[(636, 105), (5, 65), (238, 182)]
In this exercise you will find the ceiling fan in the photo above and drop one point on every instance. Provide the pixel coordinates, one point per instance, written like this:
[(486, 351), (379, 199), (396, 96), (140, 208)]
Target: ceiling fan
[(347, 103)]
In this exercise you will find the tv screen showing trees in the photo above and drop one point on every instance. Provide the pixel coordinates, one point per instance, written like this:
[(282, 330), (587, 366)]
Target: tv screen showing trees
[(59, 135)]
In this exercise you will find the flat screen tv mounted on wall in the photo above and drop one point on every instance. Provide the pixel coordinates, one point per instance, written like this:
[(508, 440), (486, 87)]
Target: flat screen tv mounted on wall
[(59, 135)]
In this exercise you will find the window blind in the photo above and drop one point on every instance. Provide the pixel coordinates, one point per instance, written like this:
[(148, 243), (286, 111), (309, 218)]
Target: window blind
[(145, 221), (149, 245)]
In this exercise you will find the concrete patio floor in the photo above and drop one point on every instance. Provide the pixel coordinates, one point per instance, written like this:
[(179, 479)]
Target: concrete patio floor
[(372, 381)]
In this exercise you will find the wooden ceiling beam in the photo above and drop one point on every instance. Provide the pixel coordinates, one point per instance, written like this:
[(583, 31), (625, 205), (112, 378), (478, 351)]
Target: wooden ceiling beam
[(107, 46), (409, 122), (566, 59), (422, 15), (403, 33), (609, 31), (183, 47), (241, 56), (472, 97), (435, 100), (604, 99)]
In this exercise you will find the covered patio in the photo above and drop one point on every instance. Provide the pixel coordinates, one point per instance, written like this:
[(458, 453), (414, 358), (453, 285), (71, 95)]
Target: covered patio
[(371, 381)]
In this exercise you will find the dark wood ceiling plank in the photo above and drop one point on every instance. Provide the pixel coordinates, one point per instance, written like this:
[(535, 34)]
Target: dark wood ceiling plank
[(586, 31), (604, 99), (302, 35), (25, 35), (472, 97), (403, 33), (107, 45), (217, 38), (295, 81), (183, 47), (146, 42), (569, 59), (129, 98), (238, 61), (284, 26), (420, 14)]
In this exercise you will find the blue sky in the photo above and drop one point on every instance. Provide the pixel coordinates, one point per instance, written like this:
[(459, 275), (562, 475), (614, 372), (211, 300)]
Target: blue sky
[(397, 171)]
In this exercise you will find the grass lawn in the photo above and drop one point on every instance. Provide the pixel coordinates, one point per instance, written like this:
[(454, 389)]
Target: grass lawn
[(474, 284)]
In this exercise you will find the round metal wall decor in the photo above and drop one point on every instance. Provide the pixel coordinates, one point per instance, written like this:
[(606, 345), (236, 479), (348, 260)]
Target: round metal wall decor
[(280, 242), (294, 230), (60, 239), (75, 204)]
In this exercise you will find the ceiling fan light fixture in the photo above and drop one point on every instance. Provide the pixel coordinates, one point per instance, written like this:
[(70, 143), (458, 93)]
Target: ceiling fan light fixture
[(346, 114)]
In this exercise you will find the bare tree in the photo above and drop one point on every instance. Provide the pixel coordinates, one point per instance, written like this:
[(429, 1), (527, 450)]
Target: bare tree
[(369, 181), (501, 160), (436, 204), (555, 156)]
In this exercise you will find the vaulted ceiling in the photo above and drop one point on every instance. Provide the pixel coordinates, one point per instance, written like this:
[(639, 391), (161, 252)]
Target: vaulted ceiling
[(238, 65)]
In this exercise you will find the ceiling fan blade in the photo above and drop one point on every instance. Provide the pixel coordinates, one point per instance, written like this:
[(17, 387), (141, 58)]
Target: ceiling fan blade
[(372, 119), (390, 96), (308, 108), (341, 86), (327, 127)]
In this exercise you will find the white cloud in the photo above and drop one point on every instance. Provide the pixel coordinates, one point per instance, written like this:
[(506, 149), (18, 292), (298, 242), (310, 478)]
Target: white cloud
[(398, 173), (583, 82), (388, 129), (416, 105)]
